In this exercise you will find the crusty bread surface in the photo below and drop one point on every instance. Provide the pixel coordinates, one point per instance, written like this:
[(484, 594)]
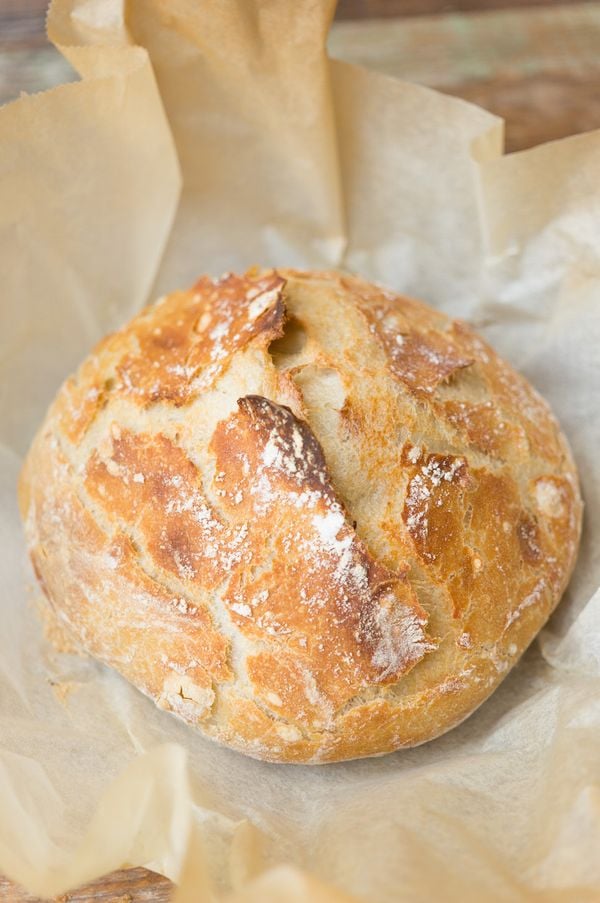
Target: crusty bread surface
[(311, 517)]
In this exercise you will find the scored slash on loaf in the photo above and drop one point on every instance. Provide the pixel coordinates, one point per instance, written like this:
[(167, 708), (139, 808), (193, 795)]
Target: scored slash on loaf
[(314, 518)]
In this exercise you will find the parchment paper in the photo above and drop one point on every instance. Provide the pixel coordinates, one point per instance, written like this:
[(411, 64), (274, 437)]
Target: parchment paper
[(288, 158)]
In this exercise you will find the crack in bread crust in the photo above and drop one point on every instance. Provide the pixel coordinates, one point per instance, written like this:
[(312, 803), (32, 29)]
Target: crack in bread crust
[(331, 551)]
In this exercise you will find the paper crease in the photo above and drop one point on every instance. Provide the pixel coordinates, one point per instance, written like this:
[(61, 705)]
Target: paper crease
[(288, 158)]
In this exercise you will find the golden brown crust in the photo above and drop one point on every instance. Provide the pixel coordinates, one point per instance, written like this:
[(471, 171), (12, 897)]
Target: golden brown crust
[(315, 579), (334, 549)]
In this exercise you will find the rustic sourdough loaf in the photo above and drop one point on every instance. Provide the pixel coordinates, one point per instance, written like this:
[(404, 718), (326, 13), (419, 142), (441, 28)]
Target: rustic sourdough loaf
[(309, 516)]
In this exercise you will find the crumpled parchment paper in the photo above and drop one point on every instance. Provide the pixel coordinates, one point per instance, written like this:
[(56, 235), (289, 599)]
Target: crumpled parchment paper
[(209, 136)]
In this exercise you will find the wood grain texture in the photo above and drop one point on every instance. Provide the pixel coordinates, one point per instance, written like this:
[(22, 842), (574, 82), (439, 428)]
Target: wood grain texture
[(22, 22), (125, 886), (395, 9), (554, 105), (539, 69)]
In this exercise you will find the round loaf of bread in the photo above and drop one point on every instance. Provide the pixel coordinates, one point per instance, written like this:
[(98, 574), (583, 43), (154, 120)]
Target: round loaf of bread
[(311, 517)]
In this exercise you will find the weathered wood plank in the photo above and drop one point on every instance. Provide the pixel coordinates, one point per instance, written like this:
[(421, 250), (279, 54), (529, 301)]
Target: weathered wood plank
[(395, 9), (537, 68)]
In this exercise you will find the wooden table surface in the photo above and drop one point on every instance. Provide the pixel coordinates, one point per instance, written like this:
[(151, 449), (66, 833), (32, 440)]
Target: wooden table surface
[(536, 63)]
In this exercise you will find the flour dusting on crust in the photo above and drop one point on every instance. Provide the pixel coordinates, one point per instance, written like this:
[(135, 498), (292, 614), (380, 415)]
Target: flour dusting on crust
[(315, 555)]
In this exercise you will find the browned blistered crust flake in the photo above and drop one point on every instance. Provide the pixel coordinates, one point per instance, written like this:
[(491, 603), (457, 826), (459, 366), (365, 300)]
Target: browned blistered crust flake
[(334, 550), (351, 622)]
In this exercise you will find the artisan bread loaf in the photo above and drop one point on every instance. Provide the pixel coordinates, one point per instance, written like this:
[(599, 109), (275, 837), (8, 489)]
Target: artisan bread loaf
[(313, 518)]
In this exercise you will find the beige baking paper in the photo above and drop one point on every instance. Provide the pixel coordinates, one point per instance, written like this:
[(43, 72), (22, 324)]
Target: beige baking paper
[(285, 157)]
